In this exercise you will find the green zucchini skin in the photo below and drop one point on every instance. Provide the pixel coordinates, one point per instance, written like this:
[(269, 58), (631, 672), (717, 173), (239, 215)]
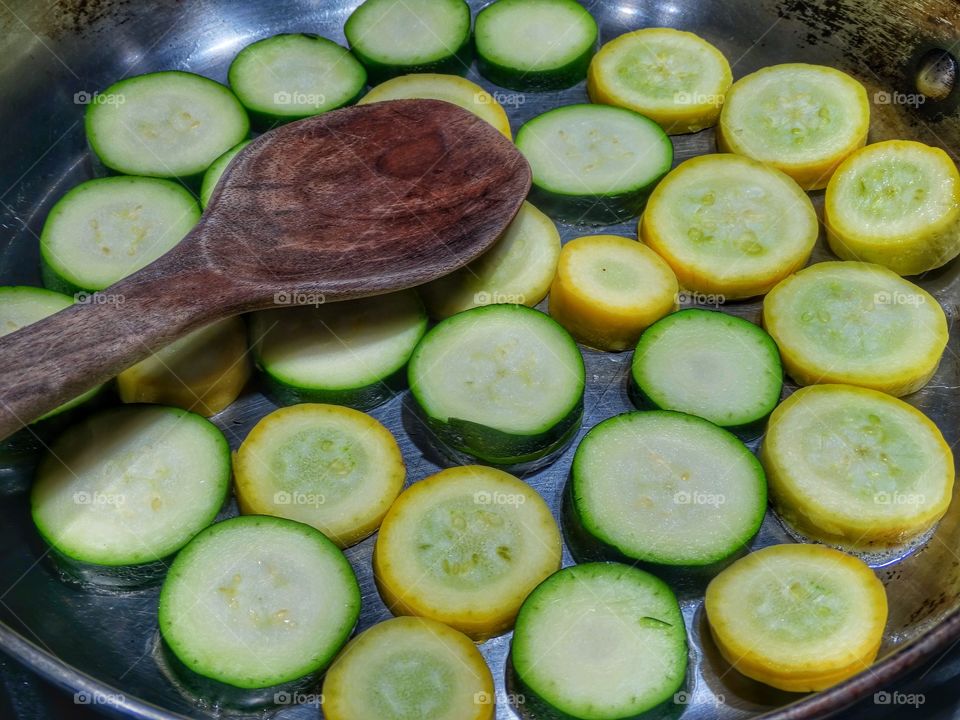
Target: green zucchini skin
[(539, 81), (592, 209), (263, 121), (361, 398), (456, 64)]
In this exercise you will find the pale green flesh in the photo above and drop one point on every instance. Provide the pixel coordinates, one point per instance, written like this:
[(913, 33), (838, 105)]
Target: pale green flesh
[(795, 609), (661, 71), (215, 171), (407, 32), (534, 35), (324, 459), (411, 686)]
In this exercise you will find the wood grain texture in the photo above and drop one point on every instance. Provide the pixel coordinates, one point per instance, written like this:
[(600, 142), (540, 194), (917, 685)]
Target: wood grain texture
[(356, 202)]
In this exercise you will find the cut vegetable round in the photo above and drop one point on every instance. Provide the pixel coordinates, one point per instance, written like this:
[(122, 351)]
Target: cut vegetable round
[(675, 78), (292, 76), (665, 488), (203, 372), (127, 488), (285, 594), (802, 119), (105, 229), (858, 324), (594, 163), (465, 547), (601, 641), (408, 668), (502, 383), (164, 124), (729, 225), (348, 353), (897, 204), (715, 366), (535, 44), (398, 37), (450, 88), (798, 617), (609, 288), (856, 467), (517, 270), (331, 467), (213, 174)]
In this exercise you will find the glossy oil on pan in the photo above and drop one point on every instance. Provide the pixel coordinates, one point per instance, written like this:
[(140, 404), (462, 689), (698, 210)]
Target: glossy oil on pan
[(54, 55)]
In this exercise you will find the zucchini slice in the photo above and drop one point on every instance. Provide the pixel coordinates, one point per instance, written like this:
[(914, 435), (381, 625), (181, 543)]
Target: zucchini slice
[(501, 383), (594, 164), (408, 668), (517, 270), (535, 44), (798, 617), (347, 353), (609, 288), (665, 488), (600, 641), (399, 37), (729, 225), (449, 88), (292, 76), (165, 124), (105, 229), (856, 467), (858, 324), (213, 174), (203, 372), (125, 489), (801, 119), (258, 602), (897, 204), (675, 78), (744, 375), (331, 467), (465, 547)]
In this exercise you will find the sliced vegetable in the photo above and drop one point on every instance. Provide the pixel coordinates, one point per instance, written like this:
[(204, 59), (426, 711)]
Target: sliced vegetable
[(594, 163), (165, 124), (105, 229), (465, 547), (856, 467), (398, 37), (258, 602), (664, 488), (213, 174), (517, 270), (535, 44), (291, 76), (715, 366), (601, 641), (501, 383), (801, 119), (450, 88), (408, 668), (203, 372), (349, 353), (331, 467), (609, 288), (730, 226), (797, 617), (897, 204), (122, 491), (856, 323), (675, 78)]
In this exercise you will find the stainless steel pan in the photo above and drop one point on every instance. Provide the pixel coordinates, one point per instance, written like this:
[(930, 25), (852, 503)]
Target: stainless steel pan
[(54, 54)]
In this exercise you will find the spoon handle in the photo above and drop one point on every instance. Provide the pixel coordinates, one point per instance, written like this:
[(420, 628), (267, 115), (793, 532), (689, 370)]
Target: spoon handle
[(48, 363)]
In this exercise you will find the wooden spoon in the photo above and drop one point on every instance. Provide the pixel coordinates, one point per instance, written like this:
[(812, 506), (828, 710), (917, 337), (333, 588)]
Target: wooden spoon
[(356, 202)]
